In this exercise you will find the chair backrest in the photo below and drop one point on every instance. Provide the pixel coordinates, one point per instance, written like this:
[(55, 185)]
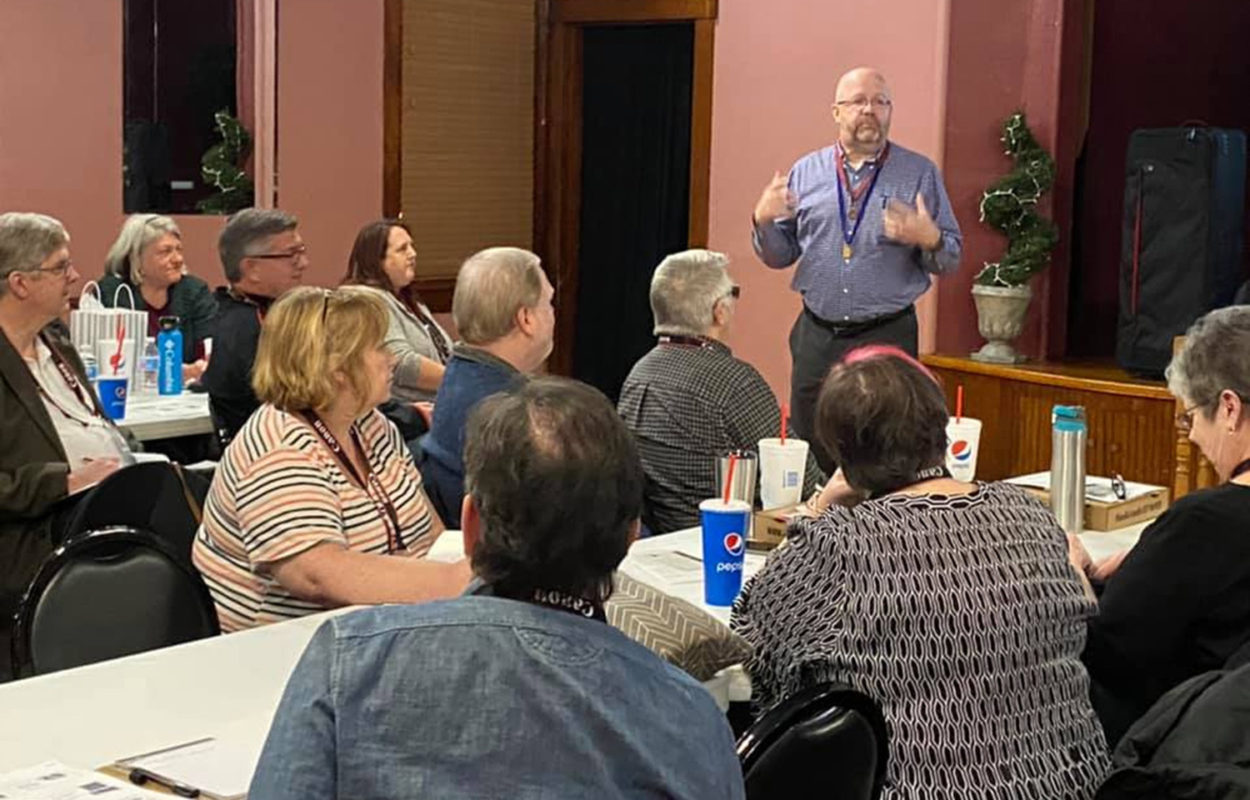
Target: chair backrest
[(150, 496), (105, 594), (829, 736)]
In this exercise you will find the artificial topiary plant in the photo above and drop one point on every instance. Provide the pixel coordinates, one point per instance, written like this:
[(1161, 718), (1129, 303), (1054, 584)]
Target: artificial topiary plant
[(1010, 205), (222, 167)]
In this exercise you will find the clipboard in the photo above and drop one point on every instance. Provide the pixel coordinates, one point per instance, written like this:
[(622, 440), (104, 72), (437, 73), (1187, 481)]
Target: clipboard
[(206, 768)]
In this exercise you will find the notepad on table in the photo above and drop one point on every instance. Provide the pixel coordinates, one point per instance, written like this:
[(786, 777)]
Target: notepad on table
[(218, 769)]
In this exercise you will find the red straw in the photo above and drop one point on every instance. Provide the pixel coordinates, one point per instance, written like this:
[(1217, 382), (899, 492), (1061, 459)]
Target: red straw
[(729, 476), (959, 403), (785, 417), (116, 360)]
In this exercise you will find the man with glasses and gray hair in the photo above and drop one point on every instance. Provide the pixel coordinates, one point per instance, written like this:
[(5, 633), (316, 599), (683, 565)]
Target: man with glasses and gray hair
[(54, 438), (868, 222), (689, 401), (263, 256)]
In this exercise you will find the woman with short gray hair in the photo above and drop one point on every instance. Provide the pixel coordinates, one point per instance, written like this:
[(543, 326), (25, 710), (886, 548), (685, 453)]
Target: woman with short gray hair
[(147, 257), (1178, 603)]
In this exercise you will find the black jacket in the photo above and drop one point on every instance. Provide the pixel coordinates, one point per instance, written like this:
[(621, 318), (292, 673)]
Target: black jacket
[(1193, 744), (228, 378)]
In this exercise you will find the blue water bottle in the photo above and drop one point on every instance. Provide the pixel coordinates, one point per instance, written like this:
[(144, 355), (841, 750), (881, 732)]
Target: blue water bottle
[(169, 343)]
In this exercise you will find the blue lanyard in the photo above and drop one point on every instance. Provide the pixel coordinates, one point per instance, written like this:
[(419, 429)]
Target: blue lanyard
[(849, 236)]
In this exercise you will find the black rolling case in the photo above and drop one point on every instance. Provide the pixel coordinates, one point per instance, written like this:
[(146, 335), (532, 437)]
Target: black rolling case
[(1180, 253)]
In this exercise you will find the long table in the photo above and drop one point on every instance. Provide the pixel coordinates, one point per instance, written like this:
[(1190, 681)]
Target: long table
[(229, 686)]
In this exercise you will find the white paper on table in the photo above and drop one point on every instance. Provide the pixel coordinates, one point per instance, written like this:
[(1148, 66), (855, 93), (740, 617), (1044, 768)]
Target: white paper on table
[(667, 567), (223, 769), (1095, 488), (53, 780)]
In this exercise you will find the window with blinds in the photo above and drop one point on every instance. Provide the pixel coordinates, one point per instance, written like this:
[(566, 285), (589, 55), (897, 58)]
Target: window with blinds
[(467, 128)]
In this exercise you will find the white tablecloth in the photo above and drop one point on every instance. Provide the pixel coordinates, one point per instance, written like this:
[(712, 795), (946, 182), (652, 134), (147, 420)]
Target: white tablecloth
[(151, 417)]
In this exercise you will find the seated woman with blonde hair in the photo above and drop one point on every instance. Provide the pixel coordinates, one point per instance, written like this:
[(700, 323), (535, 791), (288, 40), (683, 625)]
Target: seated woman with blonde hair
[(147, 257), (316, 503), (953, 604)]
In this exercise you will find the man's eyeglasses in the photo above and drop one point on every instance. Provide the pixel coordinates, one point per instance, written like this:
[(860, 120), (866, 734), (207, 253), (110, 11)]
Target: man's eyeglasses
[(58, 271), (863, 103), (295, 253), (1185, 419)]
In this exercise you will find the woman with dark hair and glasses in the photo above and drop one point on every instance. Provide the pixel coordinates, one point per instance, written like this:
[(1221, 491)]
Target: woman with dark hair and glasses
[(1178, 603), (953, 604), (384, 259)]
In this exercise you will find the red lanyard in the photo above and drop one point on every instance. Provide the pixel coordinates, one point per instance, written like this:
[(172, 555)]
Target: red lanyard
[(370, 484), (71, 380), (856, 192)]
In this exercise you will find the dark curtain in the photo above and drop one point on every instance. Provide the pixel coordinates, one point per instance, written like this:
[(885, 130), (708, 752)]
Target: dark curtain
[(1156, 64), (635, 188)]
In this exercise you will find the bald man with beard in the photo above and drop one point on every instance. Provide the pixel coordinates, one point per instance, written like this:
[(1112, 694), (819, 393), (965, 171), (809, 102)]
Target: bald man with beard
[(868, 221)]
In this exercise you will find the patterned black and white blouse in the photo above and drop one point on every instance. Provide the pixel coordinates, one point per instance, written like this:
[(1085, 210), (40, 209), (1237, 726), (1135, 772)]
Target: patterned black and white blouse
[(963, 618)]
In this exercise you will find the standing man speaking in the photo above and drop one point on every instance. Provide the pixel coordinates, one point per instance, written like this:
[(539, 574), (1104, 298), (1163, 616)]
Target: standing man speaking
[(868, 221)]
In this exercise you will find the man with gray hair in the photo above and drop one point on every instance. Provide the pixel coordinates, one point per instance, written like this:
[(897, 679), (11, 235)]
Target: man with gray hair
[(503, 312), (689, 401), (55, 440), (262, 256)]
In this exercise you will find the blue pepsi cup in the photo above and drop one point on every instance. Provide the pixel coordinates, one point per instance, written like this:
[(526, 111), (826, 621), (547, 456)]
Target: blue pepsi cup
[(113, 395), (724, 548)]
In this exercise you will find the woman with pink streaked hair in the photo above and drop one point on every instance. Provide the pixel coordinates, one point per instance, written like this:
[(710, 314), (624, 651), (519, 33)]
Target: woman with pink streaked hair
[(953, 604)]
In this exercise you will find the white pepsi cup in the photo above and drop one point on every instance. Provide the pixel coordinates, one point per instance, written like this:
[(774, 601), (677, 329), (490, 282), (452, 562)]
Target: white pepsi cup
[(963, 442)]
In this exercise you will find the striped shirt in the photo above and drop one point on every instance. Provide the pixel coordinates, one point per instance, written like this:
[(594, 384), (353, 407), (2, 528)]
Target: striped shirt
[(278, 492)]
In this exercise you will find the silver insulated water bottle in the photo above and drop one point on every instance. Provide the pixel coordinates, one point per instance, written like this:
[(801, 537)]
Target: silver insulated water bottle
[(1067, 466)]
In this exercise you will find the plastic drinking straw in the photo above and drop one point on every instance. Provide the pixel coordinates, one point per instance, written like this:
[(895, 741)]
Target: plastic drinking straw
[(785, 417), (116, 360), (729, 475), (959, 403)]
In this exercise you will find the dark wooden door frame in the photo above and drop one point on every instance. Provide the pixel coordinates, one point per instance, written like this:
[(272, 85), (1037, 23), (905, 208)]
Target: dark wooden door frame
[(558, 135)]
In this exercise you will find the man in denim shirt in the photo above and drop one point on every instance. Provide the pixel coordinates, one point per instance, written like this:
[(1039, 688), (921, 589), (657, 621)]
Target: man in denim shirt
[(518, 689)]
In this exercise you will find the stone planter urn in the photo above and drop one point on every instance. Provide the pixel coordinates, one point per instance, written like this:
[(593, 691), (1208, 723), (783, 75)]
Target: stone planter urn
[(1000, 319)]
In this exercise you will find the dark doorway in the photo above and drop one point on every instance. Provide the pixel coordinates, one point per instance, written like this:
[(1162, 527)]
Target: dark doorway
[(1155, 64), (635, 187)]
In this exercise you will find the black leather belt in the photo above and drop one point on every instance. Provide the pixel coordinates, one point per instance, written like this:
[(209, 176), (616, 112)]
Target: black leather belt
[(856, 327)]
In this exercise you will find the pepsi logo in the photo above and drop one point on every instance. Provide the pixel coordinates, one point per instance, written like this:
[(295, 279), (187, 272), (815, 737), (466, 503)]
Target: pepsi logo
[(734, 543), (961, 450)]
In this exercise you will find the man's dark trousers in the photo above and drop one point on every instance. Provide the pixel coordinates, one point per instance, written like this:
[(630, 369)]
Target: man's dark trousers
[(817, 344)]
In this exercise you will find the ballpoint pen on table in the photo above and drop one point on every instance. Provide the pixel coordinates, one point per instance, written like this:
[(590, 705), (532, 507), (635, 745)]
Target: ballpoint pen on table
[(139, 776)]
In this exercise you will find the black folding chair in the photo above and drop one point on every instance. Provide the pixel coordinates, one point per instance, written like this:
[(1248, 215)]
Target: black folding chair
[(105, 594), (829, 736), (151, 496)]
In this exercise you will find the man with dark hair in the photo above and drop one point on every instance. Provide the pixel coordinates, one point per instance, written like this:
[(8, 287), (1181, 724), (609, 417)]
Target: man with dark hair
[(262, 256), (519, 688)]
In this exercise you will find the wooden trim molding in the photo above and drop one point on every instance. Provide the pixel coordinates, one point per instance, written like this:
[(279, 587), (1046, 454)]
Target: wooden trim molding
[(392, 108), (1087, 378), (701, 132), (589, 12)]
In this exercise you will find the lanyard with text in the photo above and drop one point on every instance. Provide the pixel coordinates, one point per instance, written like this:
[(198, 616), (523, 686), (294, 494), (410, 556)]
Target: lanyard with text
[(70, 379), (864, 191), (562, 601), (684, 341), (369, 483)]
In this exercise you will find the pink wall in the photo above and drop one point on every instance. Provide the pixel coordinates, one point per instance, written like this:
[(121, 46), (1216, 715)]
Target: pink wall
[(775, 68), (1004, 57), (61, 125)]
